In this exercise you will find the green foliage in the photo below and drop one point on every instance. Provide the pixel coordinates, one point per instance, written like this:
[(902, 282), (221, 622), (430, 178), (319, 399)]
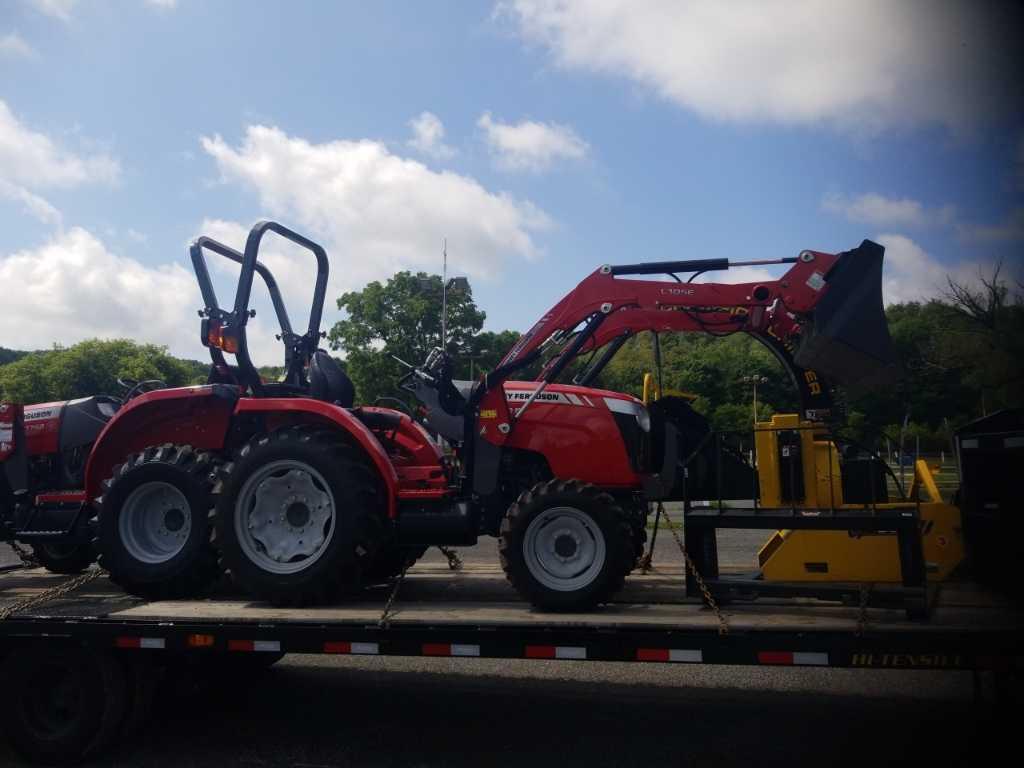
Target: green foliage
[(10, 355), (403, 318), (88, 368)]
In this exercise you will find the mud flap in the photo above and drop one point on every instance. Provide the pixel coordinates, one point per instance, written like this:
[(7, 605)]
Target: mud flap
[(847, 340)]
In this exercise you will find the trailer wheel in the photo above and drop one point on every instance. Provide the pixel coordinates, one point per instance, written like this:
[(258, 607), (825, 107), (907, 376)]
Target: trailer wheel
[(566, 546), (390, 561), (154, 524), (299, 516), (62, 704), (72, 556)]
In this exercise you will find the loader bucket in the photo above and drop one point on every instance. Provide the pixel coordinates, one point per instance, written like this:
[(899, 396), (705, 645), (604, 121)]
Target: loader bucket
[(847, 340)]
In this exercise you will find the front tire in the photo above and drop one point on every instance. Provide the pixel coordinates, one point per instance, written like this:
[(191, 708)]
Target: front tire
[(67, 557), (154, 524), (299, 516), (565, 546)]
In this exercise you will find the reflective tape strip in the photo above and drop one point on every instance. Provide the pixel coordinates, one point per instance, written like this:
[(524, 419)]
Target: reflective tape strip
[(774, 657), (799, 658), (810, 659), (555, 652), (669, 654), (450, 649), (355, 649), (1013, 442), (971, 443), (140, 642), (272, 646)]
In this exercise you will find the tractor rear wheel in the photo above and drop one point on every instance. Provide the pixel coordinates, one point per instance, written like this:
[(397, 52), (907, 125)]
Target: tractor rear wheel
[(154, 524), (299, 516), (566, 546), (70, 556), (62, 704)]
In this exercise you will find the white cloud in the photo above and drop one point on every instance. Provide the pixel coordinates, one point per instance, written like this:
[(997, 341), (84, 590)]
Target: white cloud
[(912, 274), (428, 136), (868, 63), (530, 145), (73, 288), (164, 5), (1011, 228), (873, 208), (14, 46), (36, 206), (31, 159), (377, 212), (58, 9)]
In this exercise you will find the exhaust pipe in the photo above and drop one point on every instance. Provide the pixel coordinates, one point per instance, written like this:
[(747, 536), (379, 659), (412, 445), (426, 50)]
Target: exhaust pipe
[(847, 339)]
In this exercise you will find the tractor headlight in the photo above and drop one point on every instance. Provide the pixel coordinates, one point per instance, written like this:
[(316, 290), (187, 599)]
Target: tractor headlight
[(630, 408), (643, 418)]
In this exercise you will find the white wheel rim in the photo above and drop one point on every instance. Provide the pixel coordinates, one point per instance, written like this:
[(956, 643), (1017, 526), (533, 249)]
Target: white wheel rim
[(564, 549), (155, 522), (285, 516)]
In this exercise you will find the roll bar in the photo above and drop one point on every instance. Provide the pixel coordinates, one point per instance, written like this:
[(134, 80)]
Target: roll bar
[(231, 325), (206, 284)]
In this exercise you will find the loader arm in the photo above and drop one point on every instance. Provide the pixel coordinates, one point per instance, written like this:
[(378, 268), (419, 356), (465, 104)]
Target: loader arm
[(823, 318)]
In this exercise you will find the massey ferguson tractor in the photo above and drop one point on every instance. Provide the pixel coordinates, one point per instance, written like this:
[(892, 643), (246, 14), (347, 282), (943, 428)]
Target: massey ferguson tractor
[(302, 495), (43, 452)]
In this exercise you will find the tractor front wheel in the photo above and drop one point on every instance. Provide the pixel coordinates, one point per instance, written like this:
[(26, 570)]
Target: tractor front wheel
[(566, 546), (154, 524), (299, 516)]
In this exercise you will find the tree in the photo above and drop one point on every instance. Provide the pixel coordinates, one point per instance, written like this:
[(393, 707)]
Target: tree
[(88, 368), (10, 355), (403, 318)]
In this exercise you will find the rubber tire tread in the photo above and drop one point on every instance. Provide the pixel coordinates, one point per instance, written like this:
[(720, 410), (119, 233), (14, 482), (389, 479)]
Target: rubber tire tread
[(104, 705), (80, 558), (355, 486), (201, 568), (620, 551)]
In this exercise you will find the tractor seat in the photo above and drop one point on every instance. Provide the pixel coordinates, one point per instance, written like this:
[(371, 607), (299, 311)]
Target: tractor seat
[(328, 382)]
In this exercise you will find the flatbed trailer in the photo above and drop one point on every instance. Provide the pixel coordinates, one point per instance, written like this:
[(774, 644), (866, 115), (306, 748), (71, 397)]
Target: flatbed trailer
[(471, 612)]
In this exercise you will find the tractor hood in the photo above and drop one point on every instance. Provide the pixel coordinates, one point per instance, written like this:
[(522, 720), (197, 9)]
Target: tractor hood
[(847, 337)]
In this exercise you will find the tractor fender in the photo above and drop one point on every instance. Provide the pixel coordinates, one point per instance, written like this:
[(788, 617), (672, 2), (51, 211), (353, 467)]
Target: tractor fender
[(197, 416), (301, 409)]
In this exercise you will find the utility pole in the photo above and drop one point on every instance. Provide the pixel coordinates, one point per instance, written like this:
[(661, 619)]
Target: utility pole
[(444, 294), (755, 380)]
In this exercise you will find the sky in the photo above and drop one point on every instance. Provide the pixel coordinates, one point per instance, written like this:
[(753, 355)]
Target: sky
[(540, 138)]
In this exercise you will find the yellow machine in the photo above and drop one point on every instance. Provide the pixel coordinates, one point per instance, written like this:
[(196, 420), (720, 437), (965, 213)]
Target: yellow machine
[(798, 465), (653, 392)]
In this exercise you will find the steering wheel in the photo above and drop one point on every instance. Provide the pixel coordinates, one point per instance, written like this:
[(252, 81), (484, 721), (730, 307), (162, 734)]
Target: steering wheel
[(401, 404), (135, 388)]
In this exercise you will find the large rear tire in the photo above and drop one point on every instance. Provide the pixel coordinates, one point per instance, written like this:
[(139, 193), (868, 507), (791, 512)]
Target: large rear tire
[(62, 704), (68, 557), (299, 516), (155, 524), (566, 546)]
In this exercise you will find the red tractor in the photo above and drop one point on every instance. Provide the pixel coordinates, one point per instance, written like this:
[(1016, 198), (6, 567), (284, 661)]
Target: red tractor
[(43, 452), (304, 495)]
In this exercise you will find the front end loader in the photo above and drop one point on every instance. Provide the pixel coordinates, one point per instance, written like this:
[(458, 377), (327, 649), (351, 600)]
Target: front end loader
[(312, 496)]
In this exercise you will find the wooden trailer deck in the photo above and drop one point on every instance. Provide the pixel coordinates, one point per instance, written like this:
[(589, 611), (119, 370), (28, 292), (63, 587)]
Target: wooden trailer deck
[(475, 612)]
